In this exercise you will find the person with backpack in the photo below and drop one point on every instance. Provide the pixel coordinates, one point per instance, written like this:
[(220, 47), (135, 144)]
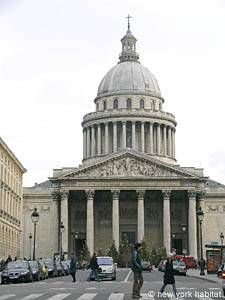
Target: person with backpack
[(94, 268), (73, 267), (169, 276), (137, 271)]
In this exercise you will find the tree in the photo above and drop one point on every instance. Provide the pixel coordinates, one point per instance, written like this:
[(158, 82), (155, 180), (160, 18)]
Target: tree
[(113, 252), (145, 253), (85, 253), (124, 253)]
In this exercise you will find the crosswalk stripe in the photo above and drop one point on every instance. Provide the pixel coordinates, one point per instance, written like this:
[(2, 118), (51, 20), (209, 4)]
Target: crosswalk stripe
[(32, 296), (116, 296), (146, 296), (87, 296), (58, 297), (4, 297)]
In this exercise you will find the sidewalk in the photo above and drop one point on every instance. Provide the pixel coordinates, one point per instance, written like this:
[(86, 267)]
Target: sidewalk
[(208, 277)]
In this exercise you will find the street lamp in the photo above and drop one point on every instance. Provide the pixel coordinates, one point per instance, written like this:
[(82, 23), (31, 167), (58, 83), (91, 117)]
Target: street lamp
[(34, 218), (221, 240), (62, 228), (200, 215), (75, 237), (30, 238)]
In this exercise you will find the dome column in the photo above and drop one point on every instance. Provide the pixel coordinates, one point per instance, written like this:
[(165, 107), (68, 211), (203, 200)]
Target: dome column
[(134, 135), (93, 141), (173, 141), (114, 136), (106, 138), (158, 139), (124, 135), (151, 137), (99, 139), (169, 141), (142, 136), (88, 142), (84, 143), (164, 141)]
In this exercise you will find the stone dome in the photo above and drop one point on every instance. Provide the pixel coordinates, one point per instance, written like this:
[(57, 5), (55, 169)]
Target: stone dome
[(129, 77)]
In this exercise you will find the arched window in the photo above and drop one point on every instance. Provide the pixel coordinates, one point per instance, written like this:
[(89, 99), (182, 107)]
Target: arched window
[(115, 104), (142, 104), (104, 105), (128, 103)]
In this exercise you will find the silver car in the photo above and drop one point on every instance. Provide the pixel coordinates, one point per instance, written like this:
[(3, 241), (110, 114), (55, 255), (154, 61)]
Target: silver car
[(107, 267), (179, 267)]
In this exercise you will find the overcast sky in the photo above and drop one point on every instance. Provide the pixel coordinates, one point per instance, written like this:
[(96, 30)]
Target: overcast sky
[(53, 55)]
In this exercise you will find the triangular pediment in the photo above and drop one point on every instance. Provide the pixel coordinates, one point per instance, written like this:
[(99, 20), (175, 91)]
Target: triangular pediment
[(129, 164)]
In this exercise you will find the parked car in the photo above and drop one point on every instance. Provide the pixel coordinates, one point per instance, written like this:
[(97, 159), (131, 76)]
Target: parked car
[(37, 271), (179, 267), (65, 267), (44, 268), (162, 265), (146, 266), (60, 269), (189, 261), (17, 271), (107, 267), (51, 264)]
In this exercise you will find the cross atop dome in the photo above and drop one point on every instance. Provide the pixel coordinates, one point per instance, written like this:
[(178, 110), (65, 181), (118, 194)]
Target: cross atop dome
[(128, 45)]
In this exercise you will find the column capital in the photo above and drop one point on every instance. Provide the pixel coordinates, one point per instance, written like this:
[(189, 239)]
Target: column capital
[(140, 194), (133, 122), (201, 195), (166, 194), (124, 122), (115, 194), (192, 194), (55, 195), (90, 194), (64, 194)]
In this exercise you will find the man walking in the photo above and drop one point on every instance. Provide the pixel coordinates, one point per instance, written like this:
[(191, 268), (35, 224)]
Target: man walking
[(94, 268), (137, 270), (73, 267)]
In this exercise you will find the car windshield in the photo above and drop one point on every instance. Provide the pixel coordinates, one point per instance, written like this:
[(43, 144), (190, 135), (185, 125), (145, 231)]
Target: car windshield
[(105, 261), (17, 265), (49, 262), (33, 264), (179, 263)]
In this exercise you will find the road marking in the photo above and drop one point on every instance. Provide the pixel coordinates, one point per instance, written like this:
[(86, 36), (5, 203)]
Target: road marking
[(88, 296), (7, 296), (146, 296), (116, 296), (58, 297), (126, 279), (32, 296)]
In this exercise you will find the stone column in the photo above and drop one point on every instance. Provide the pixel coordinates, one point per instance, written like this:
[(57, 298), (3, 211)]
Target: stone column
[(164, 141), (84, 143), (173, 142), (169, 141), (64, 219), (158, 139), (99, 139), (88, 142), (142, 136), (151, 137), (134, 135), (114, 136), (90, 220), (55, 221), (124, 135), (166, 221), (93, 141), (201, 203), (106, 138), (141, 215), (192, 224), (115, 217)]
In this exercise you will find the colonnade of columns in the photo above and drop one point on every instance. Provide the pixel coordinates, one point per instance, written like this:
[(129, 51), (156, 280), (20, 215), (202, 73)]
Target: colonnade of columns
[(166, 195), (104, 138)]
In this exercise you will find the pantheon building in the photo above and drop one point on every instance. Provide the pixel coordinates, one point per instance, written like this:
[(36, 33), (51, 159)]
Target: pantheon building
[(129, 185)]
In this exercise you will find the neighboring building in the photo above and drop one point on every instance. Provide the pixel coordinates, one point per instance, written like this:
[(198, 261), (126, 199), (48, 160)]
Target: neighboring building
[(129, 185), (11, 202)]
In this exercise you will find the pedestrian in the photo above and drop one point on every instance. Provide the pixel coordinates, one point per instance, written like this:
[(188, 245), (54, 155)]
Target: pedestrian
[(137, 270), (73, 267), (94, 268), (9, 258), (169, 276)]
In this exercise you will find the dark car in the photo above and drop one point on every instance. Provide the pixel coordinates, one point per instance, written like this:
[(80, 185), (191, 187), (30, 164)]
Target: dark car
[(51, 264), (146, 266), (37, 270), (60, 268), (17, 271)]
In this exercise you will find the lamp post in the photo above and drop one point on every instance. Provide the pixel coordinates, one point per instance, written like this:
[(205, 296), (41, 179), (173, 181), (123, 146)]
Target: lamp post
[(221, 240), (34, 218), (75, 237), (200, 215), (62, 228), (30, 238)]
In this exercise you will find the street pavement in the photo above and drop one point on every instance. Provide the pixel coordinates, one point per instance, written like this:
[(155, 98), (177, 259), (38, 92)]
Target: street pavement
[(63, 288)]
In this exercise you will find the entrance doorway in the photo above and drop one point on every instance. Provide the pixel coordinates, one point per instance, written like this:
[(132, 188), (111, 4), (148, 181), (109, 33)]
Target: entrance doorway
[(129, 236), (178, 245), (79, 246)]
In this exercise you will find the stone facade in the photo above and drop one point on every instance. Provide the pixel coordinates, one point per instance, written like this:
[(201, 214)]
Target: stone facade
[(11, 202), (129, 185)]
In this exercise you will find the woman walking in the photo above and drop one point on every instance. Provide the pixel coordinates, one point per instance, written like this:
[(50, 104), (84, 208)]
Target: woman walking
[(169, 276)]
